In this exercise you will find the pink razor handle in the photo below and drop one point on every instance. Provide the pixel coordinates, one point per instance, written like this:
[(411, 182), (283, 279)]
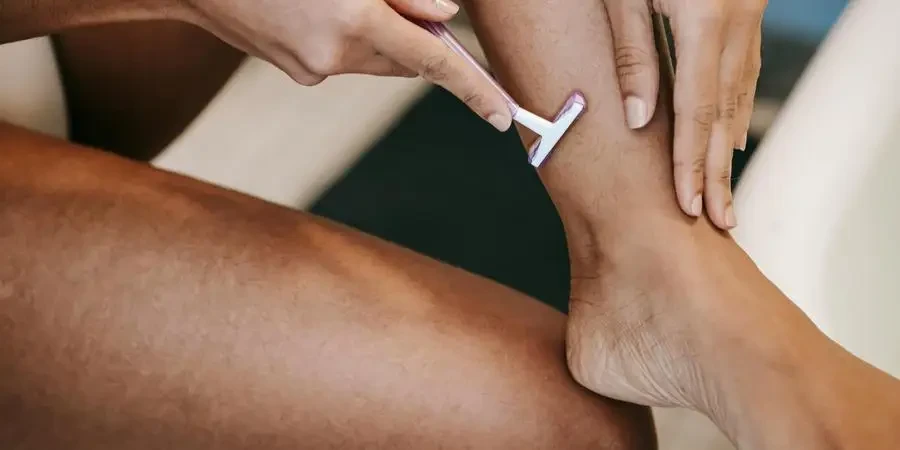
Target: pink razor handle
[(549, 132)]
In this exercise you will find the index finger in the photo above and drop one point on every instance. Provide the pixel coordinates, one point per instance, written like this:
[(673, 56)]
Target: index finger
[(748, 89), (410, 45), (698, 44)]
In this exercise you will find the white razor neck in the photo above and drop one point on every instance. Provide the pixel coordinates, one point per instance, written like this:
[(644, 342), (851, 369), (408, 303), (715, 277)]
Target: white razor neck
[(533, 121)]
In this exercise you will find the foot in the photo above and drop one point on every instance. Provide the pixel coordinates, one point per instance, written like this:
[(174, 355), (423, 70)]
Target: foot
[(666, 313)]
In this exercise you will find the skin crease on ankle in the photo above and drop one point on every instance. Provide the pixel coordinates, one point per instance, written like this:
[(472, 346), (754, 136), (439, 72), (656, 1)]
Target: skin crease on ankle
[(665, 310)]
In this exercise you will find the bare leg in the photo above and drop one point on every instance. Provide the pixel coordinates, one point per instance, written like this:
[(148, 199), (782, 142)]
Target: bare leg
[(665, 309), (140, 309), (133, 87), (628, 240)]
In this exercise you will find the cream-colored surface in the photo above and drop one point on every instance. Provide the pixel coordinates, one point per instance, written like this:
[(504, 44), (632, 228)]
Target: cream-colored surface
[(861, 268), (268, 137), (679, 429), (820, 203), (31, 93)]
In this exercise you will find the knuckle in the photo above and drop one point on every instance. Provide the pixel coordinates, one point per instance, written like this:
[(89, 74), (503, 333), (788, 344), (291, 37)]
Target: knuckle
[(729, 87), (353, 18), (698, 164), (474, 100), (723, 176), (702, 116), (322, 67), (435, 68), (323, 62), (694, 165), (631, 62), (729, 108)]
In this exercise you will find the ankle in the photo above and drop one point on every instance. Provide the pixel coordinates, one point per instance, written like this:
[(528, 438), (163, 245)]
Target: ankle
[(636, 238), (608, 215), (687, 280)]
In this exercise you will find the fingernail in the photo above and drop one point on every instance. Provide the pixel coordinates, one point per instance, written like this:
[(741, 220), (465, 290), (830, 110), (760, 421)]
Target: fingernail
[(446, 6), (697, 206), (742, 144), (500, 121), (636, 112), (730, 220)]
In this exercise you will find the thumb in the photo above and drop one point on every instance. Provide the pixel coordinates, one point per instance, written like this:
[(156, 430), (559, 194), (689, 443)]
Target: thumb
[(433, 10)]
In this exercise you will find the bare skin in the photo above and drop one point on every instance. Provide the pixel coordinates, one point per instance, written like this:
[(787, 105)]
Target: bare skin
[(718, 47), (667, 310), (146, 310), (132, 88)]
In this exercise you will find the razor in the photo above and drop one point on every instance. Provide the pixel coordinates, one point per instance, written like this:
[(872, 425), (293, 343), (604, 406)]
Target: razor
[(549, 132)]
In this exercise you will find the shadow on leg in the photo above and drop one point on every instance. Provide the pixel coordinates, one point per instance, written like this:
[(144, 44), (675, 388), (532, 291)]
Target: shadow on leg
[(132, 88)]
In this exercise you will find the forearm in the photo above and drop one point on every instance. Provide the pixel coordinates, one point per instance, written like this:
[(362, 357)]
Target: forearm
[(139, 309), (23, 19)]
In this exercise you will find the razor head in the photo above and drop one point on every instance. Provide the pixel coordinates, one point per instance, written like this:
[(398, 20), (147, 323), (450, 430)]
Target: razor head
[(542, 147)]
